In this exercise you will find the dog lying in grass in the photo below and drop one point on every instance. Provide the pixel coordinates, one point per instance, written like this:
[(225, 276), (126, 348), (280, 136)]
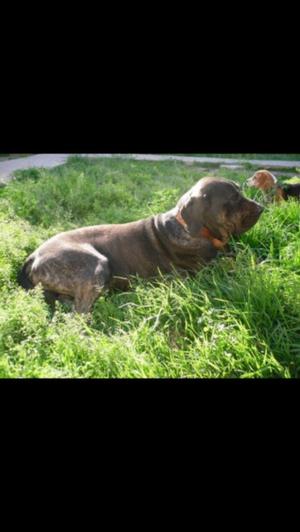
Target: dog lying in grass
[(268, 184), (84, 262)]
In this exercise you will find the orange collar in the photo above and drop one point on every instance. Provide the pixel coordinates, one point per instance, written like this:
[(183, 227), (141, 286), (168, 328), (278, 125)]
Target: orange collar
[(204, 233)]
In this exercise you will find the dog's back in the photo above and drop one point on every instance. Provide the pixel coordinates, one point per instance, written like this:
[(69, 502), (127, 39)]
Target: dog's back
[(292, 190)]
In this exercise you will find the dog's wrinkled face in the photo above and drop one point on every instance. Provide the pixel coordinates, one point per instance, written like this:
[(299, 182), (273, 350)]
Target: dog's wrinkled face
[(263, 180), (218, 205)]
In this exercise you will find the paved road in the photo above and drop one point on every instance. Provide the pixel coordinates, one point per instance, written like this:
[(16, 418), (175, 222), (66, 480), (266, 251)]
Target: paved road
[(49, 160), (43, 160)]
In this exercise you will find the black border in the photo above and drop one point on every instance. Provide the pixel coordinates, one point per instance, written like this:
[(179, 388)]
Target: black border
[(205, 122)]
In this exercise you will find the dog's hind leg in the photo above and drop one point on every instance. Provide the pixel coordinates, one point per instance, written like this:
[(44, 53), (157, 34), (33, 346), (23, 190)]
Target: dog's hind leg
[(79, 272), (85, 297), (91, 287)]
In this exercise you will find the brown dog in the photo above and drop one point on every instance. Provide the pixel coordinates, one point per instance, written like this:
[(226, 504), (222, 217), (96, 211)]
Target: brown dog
[(83, 262), (267, 182)]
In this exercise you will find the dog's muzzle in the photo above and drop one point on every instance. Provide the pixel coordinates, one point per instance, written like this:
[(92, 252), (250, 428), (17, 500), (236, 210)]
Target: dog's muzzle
[(249, 182)]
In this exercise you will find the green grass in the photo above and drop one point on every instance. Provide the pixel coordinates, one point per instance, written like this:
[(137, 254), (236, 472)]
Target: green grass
[(239, 317)]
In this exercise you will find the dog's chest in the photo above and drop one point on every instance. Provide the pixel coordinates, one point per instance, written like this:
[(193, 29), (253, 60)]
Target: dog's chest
[(194, 260)]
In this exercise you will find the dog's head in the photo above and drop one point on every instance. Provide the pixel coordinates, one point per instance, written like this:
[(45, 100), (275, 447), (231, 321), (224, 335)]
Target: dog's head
[(263, 180), (219, 206)]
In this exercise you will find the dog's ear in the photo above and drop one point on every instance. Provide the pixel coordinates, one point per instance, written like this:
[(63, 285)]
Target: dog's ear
[(268, 180), (265, 179), (274, 179), (192, 211)]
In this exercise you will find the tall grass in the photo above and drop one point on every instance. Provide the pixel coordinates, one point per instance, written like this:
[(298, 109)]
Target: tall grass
[(238, 317)]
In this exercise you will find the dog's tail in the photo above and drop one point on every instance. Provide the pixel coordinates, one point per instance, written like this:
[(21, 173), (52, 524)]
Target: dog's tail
[(23, 275)]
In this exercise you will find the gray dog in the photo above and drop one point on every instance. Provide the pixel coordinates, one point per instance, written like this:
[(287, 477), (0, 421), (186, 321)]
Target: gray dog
[(82, 263)]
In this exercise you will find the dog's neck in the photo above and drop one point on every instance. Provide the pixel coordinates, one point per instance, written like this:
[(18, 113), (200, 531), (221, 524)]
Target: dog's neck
[(203, 233), (276, 192)]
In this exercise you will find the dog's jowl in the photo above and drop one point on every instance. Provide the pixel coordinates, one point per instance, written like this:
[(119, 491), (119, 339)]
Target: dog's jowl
[(83, 262)]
